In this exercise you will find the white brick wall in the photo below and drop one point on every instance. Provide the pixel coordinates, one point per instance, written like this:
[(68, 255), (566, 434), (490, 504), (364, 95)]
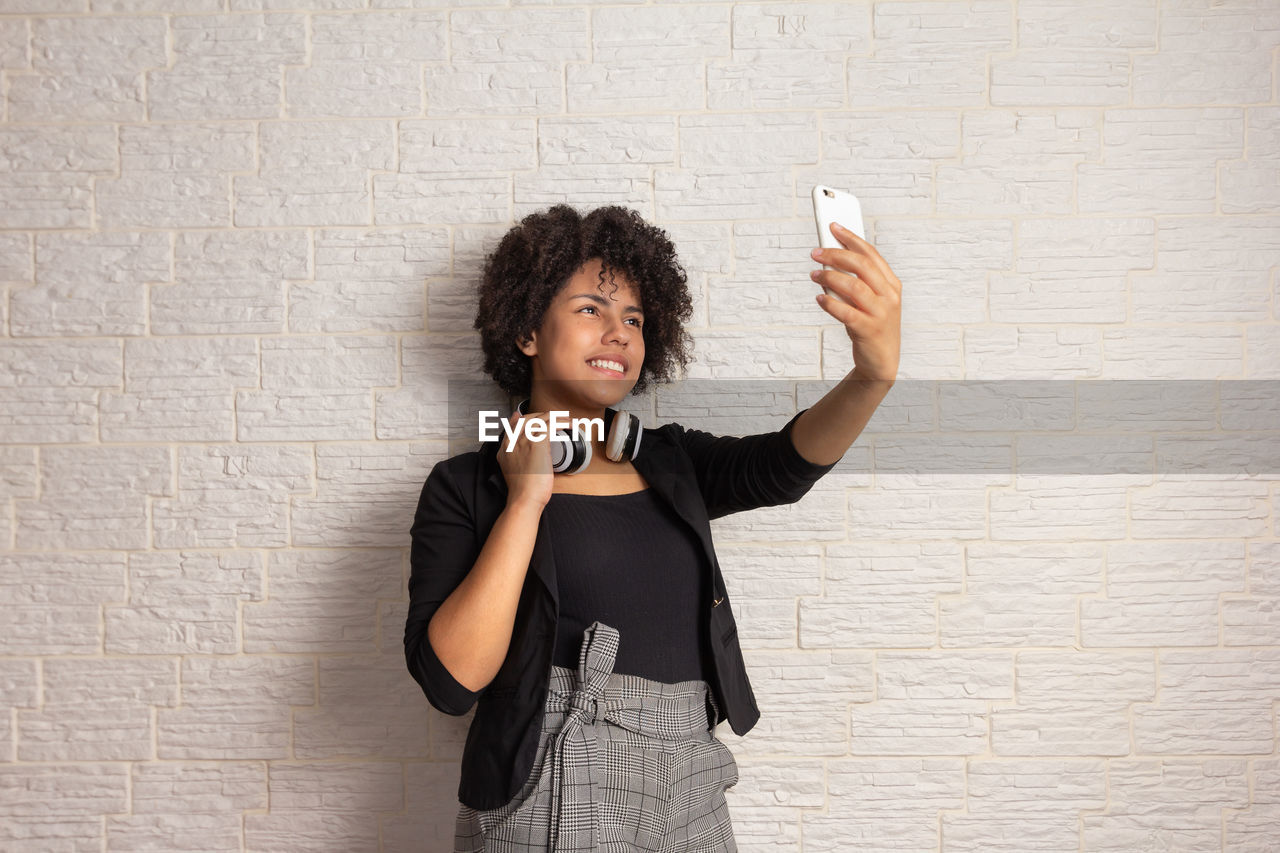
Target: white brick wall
[(238, 251)]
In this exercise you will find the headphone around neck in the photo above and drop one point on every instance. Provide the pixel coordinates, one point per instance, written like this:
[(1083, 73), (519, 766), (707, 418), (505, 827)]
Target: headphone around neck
[(571, 455)]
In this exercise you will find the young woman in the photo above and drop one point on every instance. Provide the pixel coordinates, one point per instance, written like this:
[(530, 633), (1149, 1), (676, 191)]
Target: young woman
[(585, 616)]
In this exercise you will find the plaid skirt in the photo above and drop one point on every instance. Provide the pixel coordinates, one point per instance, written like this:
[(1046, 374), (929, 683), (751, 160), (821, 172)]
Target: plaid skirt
[(623, 764)]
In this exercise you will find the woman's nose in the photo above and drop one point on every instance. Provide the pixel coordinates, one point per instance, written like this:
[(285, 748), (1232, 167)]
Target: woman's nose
[(619, 330)]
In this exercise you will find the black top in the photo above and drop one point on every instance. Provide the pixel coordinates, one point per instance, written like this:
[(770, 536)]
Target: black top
[(631, 562)]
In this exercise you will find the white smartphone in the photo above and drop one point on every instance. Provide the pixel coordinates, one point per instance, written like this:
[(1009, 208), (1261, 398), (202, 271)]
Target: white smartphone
[(832, 205)]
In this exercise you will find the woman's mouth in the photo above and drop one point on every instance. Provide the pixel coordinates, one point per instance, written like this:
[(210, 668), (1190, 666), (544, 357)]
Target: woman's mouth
[(608, 368)]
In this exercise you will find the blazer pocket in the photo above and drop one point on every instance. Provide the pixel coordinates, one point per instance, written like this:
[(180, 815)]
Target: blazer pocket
[(722, 621)]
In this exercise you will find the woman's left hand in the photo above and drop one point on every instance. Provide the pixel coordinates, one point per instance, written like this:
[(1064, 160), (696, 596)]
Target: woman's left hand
[(873, 318)]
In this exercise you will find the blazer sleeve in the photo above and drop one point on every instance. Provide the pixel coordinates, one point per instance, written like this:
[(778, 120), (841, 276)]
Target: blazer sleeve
[(442, 552), (741, 473)]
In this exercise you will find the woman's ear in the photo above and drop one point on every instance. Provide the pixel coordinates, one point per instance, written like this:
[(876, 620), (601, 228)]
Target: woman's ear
[(527, 346)]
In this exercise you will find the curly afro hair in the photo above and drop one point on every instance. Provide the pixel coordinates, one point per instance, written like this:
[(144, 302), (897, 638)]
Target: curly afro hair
[(537, 257)]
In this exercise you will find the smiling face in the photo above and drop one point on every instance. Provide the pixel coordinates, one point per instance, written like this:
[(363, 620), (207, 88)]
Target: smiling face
[(587, 322)]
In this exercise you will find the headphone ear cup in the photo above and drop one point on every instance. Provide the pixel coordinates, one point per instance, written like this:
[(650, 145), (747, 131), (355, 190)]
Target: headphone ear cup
[(569, 455), (624, 437), (581, 454)]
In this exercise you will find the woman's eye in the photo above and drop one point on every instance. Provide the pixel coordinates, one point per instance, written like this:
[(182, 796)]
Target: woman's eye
[(639, 324)]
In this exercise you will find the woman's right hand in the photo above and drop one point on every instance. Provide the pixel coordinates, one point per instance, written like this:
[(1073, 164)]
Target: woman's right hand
[(527, 466)]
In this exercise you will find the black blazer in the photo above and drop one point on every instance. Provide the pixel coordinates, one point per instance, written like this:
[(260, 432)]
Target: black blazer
[(701, 475)]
